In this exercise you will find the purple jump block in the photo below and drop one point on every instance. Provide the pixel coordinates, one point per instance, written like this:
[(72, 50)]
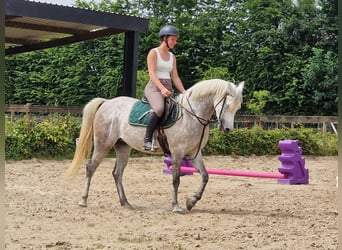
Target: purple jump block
[(292, 163), (184, 163)]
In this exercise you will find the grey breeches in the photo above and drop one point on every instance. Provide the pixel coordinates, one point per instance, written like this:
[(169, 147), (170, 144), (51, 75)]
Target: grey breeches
[(154, 96)]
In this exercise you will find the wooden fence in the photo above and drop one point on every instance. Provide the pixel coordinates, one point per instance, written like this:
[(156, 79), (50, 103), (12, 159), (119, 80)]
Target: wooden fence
[(326, 123), (29, 110)]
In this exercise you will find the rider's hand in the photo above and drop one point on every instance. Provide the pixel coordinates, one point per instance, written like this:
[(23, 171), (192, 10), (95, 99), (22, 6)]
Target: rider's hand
[(165, 92)]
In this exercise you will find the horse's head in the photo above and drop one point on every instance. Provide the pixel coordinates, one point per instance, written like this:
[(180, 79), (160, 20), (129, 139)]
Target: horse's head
[(227, 106)]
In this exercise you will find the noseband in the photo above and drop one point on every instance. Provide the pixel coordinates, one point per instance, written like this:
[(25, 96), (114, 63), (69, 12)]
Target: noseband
[(224, 99)]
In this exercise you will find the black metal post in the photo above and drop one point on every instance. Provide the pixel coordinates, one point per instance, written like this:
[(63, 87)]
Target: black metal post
[(130, 63)]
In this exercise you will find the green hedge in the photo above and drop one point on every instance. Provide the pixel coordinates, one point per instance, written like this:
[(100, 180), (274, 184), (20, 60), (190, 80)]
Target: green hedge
[(55, 138), (257, 141), (50, 138)]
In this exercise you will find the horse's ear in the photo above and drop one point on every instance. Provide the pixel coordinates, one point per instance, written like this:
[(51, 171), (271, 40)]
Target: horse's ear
[(239, 90)]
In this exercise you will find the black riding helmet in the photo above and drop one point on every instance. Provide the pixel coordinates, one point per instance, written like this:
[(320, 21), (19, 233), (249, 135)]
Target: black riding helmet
[(168, 30)]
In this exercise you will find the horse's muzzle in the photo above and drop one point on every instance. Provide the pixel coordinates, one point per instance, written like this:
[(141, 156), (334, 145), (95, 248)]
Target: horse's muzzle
[(224, 129)]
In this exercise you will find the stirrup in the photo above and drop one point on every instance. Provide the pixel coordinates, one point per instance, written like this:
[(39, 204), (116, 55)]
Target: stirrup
[(149, 146)]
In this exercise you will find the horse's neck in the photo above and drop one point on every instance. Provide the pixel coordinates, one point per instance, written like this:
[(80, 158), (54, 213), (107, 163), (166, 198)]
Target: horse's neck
[(203, 108)]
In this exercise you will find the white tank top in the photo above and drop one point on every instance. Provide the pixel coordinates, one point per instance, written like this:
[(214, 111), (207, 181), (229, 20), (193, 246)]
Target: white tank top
[(164, 68)]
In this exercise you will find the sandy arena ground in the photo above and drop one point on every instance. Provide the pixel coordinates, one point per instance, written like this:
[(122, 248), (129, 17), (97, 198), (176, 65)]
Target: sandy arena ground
[(234, 213)]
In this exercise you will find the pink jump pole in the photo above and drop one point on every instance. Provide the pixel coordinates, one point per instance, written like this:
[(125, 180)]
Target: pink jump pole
[(189, 170)]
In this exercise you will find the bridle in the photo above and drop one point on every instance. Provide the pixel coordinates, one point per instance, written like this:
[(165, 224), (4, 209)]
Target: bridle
[(205, 122), (224, 99), (202, 120)]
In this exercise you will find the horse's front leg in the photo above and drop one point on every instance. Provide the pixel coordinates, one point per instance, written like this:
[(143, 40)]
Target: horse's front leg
[(199, 165), (175, 183)]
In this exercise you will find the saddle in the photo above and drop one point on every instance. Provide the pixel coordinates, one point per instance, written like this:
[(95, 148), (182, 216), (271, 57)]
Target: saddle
[(139, 117), (140, 112)]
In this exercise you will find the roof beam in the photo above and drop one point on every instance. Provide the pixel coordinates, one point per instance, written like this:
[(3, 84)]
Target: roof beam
[(25, 41), (8, 17), (41, 27), (62, 41)]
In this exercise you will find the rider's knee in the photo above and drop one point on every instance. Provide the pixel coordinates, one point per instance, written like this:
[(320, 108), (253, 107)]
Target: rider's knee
[(159, 111)]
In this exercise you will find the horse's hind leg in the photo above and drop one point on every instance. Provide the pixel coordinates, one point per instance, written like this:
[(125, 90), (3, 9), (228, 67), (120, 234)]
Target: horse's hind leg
[(91, 167), (122, 155), (198, 164)]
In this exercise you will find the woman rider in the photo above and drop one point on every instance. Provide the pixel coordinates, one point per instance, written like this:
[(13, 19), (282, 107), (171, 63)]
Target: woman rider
[(162, 69)]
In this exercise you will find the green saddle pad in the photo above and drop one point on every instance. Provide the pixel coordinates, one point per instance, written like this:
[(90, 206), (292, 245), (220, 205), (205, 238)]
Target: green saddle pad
[(140, 113)]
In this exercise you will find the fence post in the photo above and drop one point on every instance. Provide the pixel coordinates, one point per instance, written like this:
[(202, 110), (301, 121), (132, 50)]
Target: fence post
[(324, 127), (28, 107)]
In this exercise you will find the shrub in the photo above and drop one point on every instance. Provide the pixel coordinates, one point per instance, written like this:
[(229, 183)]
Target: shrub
[(18, 139), (55, 138), (265, 142), (49, 138)]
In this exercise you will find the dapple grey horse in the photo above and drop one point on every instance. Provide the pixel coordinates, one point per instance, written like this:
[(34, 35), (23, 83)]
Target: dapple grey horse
[(105, 126)]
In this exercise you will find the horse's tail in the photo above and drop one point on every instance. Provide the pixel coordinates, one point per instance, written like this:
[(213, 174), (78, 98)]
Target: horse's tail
[(85, 141)]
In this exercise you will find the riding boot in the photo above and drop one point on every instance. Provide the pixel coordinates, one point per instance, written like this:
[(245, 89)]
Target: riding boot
[(151, 125)]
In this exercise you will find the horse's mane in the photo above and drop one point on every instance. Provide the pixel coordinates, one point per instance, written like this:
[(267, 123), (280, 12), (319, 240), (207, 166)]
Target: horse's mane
[(217, 87)]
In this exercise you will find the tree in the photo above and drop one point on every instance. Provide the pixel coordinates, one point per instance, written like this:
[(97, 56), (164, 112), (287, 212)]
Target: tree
[(320, 77), (276, 46)]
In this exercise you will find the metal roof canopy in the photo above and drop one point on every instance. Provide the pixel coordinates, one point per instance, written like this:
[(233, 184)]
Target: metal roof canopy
[(32, 26)]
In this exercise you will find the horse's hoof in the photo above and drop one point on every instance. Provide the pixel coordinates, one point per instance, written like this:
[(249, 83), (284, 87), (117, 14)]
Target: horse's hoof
[(128, 206), (190, 203), (178, 210), (82, 204)]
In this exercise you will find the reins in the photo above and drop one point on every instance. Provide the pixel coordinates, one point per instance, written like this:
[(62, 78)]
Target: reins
[(201, 120), (190, 112)]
